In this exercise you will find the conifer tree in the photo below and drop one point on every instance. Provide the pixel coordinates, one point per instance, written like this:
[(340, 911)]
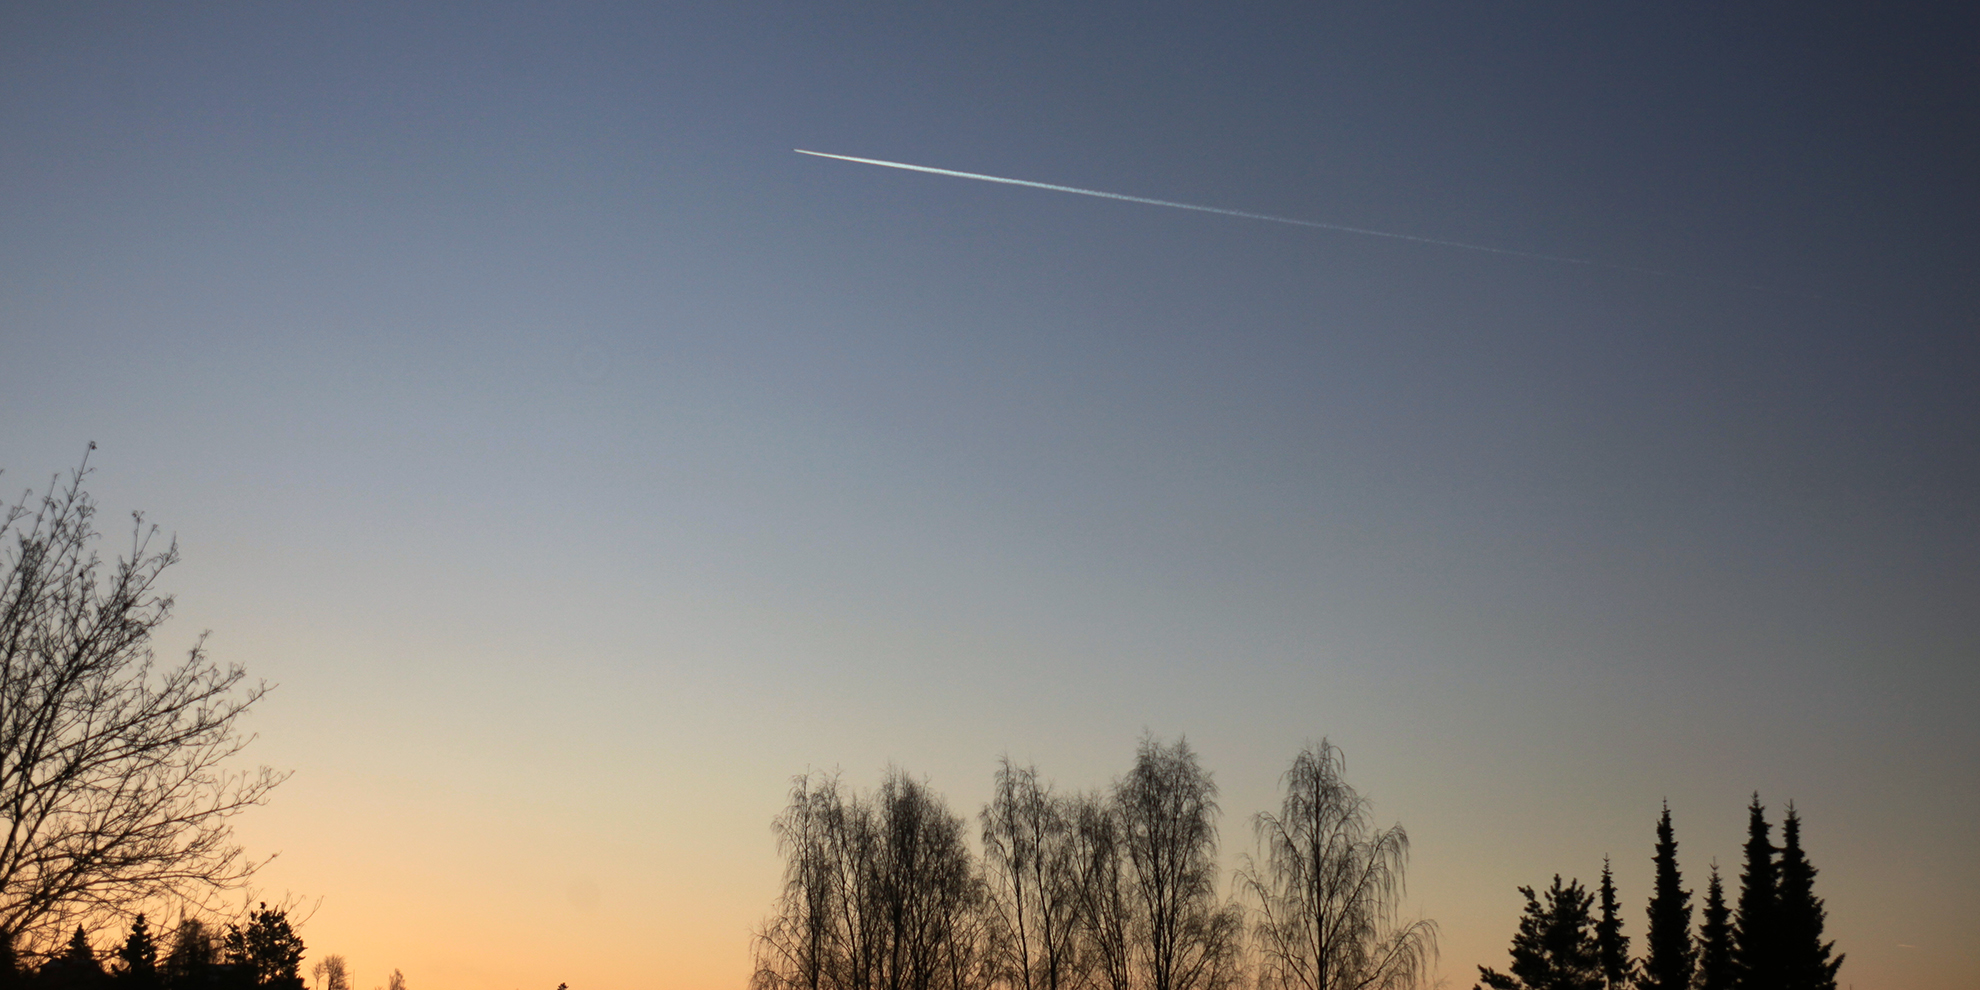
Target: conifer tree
[(1755, 956), (75, 969), (268, 949), (139, 955), (1715, 939), (1804, 957), (1668, 952), (1555, 946), (79, 952), (1610, 942)]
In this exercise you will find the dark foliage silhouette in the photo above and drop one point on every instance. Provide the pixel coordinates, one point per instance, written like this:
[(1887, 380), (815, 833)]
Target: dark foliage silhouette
[(1772, 939), (1669, 956), (267, 949), (113, 784), (79, 952), (138, 957), (193, 957), (1715, 939), (263, 955), (1756, 958), (1555, 946), (75, 968), (1805, 959), (1610, 942), (1328, 889)]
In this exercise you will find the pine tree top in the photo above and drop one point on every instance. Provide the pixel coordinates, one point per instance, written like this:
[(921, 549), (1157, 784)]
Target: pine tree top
[(1669, 954), (79, 950)]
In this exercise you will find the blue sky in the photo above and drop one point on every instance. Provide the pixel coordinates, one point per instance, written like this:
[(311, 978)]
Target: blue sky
[(582, 463)]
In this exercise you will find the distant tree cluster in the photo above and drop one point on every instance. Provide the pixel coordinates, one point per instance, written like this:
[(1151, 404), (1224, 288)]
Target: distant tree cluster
[(263, 952), (1771, 940), (1103, 890)]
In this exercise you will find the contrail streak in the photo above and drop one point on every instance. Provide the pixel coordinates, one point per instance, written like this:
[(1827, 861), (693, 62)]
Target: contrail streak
[(1590, 262)]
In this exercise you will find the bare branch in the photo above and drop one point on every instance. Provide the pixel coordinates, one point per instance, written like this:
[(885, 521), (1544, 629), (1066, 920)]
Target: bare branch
[(114, 784)]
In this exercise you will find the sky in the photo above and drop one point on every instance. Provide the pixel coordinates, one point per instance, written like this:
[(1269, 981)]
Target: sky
[(581, 464)]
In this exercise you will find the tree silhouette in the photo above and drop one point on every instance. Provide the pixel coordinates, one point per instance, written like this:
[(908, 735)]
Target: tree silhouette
[(192, 957), (79, 951), (1755, 955), (1669, 956), (1168, 812), (1329, 887), (268, 950), (1716, 970), (331, 973), (1610, 942), (1106, 905), (1027, 858), (808, 937), (111, 766), (928, 890), (880, 892), (1804, 957), (76, 968), (138, 957), (1555, 947)]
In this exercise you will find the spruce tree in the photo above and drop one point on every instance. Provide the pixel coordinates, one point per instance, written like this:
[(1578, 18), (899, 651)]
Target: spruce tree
[(1610, 942), (1804, 957), (1668, 952), (268, 949), (1756, 959), (79, 952), (1715, 937), (75, 969), (139, 955), (1554, 948)]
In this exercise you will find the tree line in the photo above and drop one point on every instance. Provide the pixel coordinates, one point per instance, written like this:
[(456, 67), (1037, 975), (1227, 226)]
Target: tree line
[(1112, 889), (1771, 938), (263, 951)]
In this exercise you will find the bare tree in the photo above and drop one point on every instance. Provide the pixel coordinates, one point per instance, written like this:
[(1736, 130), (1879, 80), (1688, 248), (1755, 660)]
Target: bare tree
[(1106, 906), (926, 886), (113, 782), (880, 893), (1168, 835), (1329, 888), (796, 946), (331, 973), (1028, 850), (194, 951)]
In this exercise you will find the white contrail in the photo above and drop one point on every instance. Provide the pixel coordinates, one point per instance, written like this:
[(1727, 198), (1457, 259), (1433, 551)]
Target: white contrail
[(1241, 213)]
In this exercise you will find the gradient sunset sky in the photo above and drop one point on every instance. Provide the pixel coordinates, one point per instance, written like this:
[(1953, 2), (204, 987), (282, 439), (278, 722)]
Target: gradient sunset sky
[(583, 464)]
